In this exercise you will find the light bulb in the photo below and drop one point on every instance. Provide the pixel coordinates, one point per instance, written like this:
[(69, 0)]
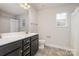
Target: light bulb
[(25, 5), (28, 6)]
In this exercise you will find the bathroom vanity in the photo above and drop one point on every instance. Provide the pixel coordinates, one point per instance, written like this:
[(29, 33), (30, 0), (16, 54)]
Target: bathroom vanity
[(26, 45)]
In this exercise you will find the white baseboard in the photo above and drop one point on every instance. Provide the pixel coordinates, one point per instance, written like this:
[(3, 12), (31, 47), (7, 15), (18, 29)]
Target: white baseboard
[(55, 46)]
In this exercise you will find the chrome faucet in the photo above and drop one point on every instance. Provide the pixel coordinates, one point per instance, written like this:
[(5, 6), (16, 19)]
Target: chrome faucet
[(26, 32)]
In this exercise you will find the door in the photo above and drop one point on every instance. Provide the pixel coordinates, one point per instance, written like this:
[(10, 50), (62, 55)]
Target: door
[(16, 52)]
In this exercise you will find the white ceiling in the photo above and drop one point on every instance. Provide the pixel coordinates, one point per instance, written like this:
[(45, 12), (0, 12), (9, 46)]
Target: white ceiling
[(52, 5), (15, 9)]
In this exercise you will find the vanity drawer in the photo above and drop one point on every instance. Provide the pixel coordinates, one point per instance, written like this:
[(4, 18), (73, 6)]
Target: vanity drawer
[(26, 41), (34, 37), (27, 46), (26, 52), (8, 48)]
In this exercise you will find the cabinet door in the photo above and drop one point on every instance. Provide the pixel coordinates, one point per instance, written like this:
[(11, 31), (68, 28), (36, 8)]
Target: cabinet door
[(34, 47), (16, 52), (10, 48)]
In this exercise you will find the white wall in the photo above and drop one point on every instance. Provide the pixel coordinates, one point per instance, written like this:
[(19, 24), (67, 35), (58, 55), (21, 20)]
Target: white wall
[(33, 20), (58, 37)]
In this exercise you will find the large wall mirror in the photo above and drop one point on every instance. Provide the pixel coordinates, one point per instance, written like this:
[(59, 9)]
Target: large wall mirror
[(13, 18)]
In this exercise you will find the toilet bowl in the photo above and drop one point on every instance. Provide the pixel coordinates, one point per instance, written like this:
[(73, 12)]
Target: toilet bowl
[(41, 44)]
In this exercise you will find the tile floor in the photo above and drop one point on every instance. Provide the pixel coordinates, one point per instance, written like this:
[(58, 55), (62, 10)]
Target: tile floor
[(48, 51)]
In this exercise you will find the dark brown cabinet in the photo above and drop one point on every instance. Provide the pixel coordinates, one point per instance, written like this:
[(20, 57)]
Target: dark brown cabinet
[(16, 52), (24, 47), (30, 46), (13, 48), (34, 45)]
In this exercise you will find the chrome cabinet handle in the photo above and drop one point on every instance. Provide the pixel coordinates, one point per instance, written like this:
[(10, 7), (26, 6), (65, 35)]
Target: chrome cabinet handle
[(27, 41), (21, 51), (27, 47)]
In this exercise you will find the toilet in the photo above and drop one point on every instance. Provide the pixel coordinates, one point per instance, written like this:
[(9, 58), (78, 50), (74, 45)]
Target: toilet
[(41, 44)]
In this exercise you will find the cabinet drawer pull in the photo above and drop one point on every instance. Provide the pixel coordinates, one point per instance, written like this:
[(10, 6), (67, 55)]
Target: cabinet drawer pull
[(28, 41), (26, 53), (27, 47), (21, 51)]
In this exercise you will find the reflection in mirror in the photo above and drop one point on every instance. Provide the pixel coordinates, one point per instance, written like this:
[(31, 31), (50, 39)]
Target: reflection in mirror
[(23, 22), (11, 23)]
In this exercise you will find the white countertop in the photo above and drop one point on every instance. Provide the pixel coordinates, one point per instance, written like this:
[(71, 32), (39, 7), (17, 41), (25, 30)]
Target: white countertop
[(11, 38)]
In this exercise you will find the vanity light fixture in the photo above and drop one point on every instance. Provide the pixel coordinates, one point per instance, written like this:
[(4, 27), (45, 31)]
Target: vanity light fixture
[(25, 5)]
